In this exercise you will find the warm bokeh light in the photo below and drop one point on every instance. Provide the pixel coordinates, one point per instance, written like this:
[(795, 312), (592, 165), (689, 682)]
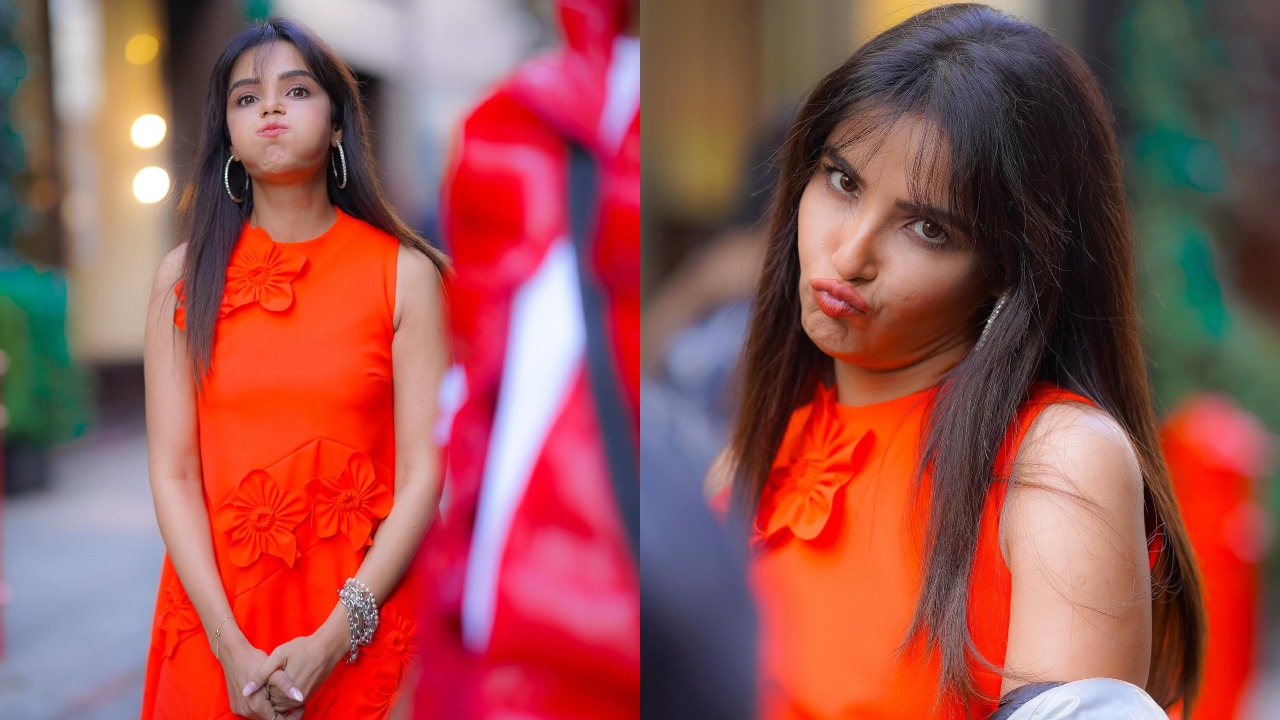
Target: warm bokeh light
[(151, 184), (147, 131), (141, 49)]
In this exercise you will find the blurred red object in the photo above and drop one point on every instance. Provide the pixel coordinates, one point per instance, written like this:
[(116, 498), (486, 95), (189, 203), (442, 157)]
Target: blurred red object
[(1217, 454), (536, 606)]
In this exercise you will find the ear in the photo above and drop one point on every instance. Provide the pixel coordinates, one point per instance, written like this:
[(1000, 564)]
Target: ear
[(337, 137)]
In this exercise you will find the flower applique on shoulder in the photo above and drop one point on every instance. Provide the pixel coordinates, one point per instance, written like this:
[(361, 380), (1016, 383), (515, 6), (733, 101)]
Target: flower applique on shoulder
[(800, 493)]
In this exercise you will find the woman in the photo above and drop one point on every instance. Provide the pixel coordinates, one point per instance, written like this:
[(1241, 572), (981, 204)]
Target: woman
[(294, 346), (946, 444)]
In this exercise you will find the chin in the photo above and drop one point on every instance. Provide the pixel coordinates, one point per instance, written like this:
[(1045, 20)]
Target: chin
[(833, 337)]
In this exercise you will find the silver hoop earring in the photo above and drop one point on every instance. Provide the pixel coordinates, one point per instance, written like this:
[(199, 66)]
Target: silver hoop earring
[(226, 182), (332, 165), (991, 318)]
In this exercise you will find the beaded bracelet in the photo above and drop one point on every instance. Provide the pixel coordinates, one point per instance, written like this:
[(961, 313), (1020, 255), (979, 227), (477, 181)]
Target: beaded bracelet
[(362, 614)]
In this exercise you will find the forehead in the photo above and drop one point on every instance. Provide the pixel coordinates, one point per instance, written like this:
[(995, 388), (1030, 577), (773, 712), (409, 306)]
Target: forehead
[(266, 60), (907, 153)]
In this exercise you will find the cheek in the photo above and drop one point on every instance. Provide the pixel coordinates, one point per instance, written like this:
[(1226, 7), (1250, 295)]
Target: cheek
[(939, 294), (811, 227)]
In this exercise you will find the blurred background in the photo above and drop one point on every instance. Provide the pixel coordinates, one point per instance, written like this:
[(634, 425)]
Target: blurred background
[(1194, 89), (99, 111)]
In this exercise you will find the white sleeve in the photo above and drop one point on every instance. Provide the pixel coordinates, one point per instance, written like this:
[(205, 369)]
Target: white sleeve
[(1092, 699)]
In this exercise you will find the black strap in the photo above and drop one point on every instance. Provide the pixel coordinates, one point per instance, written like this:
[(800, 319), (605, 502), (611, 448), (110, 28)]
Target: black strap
[(615, 421), (1020, 696)]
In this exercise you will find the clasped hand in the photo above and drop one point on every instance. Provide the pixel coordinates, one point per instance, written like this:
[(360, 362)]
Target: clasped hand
[(260, 687)]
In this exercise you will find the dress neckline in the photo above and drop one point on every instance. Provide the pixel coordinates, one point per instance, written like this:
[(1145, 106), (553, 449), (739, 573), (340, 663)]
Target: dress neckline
[(339, 222), (884, 408)]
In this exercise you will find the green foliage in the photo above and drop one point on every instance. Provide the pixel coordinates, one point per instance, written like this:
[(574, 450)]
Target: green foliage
[(46, 393), (256, 10), (1178, 92)]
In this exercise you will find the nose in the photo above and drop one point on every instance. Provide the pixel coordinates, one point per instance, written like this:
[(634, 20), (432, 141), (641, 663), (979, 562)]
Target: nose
[(272, 106), (855, 253)]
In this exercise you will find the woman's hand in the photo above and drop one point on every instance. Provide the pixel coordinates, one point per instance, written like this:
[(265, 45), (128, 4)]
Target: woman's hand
[(239, 658), (309, 660)]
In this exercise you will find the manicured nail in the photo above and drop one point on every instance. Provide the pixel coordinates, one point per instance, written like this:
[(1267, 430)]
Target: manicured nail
[(296, 694), (248, 689)]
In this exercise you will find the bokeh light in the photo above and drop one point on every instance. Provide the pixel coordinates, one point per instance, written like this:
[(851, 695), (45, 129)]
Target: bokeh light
[(141, 49), (151, 184)]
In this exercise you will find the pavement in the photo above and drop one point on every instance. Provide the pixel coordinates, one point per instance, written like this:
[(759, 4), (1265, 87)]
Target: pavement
[(81, 565)]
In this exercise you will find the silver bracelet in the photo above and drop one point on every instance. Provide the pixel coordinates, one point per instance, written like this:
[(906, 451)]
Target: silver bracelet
[(362, 614)]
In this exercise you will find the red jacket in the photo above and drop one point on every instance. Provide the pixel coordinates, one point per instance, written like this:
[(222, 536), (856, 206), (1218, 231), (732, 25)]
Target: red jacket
[(536, 612)]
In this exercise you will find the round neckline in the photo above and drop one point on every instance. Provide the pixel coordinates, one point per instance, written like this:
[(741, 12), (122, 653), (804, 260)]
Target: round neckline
[(902, 402), (338, 222)]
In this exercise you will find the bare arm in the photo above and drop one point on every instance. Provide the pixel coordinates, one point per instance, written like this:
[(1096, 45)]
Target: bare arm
[(173, 454), (173, 463), (1081, 599)]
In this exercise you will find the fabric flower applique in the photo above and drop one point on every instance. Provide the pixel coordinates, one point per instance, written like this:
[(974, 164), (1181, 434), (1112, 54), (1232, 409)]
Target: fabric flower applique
[(393, 648), (394, 640), (350, 503), (260, 272), (177, 617), (800, 493), (261, 517)]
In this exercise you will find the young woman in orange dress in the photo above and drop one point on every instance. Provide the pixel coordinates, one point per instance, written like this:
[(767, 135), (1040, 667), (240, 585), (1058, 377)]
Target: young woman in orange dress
[(294, 346), (946, 451)]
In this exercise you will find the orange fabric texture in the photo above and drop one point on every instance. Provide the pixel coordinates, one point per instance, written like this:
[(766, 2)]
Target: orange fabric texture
[(297, 450), (837, 565)]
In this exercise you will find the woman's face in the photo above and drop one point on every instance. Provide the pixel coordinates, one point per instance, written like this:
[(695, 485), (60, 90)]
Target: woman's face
[(884, 283), (279, 116)]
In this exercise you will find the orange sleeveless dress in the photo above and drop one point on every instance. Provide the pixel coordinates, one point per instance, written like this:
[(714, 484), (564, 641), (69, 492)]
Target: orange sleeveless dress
[(297, 450), (837, 565)]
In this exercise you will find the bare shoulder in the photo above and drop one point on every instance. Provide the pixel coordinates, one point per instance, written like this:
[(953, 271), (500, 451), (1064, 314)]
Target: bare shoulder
[(417, 272), (1081, 449), (170, 269), (418, 282)]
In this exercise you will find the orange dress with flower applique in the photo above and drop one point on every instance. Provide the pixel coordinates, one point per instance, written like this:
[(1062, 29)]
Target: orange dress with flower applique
[(837, 562), (297, 451)]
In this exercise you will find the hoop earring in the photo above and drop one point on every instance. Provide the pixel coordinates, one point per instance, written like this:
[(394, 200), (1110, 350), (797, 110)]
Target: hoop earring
[(1004, 296), (333, 166), (226, 182)]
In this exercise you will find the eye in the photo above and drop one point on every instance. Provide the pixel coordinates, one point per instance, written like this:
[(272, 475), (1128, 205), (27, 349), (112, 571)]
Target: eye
[(930, 231), (245, 99), (298, 91), (840, 181)]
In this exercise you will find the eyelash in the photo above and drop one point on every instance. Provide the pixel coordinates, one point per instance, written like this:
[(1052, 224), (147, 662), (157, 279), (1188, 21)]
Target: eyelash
[(829, 170), (241, 100)]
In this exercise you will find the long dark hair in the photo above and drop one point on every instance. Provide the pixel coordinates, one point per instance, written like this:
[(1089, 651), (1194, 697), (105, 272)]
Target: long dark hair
[(1035, 175), (211, 222)]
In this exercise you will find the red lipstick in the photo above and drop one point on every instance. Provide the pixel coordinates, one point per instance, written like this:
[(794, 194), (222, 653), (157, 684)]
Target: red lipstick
[(838, 299)]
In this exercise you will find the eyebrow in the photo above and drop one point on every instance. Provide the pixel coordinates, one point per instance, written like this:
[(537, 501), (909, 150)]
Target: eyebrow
[(283, 76), (930, 211)]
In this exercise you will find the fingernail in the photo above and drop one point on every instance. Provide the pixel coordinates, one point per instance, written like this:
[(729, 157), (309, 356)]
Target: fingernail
[(248, 689), (296, 694)]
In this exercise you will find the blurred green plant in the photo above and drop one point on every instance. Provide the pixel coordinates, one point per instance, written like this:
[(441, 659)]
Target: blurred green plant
[(256, 10), (46, 393), (1180, 100)]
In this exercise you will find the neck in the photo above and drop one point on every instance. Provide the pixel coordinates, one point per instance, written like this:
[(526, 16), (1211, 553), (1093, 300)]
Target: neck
[(294, 212), (860, 385)]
